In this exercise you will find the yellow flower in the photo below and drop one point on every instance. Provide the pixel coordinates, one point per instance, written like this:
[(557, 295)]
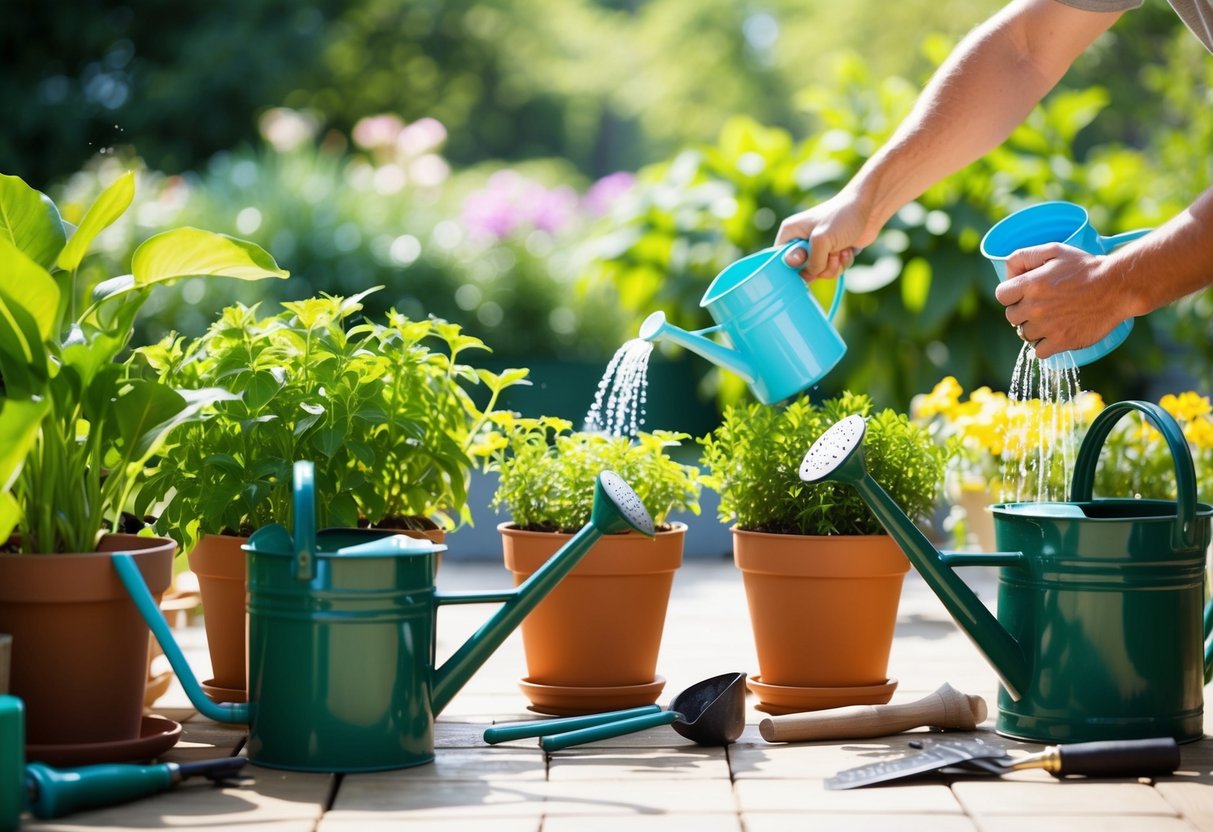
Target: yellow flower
[(1199, 433), (942, 399), (1186, 406)]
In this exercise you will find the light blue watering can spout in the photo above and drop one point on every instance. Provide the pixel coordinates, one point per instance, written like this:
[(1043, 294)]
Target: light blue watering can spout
[(657, 328)]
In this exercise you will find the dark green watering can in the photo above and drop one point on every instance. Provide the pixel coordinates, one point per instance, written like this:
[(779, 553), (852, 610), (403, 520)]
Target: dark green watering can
[(1102, 621), (342, 673)]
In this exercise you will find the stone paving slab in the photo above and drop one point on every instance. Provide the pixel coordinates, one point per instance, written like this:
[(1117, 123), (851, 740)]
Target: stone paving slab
[(656, 780)]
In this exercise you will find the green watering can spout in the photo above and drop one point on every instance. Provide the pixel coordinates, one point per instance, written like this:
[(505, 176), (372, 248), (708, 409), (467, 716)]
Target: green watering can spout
[(616, 508), (656, 328), (227, 712), (838, 455)]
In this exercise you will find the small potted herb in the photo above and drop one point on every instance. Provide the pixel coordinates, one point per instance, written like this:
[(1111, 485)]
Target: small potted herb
[(822, 578), (381, 408), (79, 431), (592, 644)]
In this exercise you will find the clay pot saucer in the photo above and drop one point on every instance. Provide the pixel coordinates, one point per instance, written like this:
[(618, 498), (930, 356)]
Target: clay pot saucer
[(574, 700), (784, 699), (156, 735), (216, 693)]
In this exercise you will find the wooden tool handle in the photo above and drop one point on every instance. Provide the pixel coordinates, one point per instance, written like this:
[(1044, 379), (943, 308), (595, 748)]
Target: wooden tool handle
[(945, 708)]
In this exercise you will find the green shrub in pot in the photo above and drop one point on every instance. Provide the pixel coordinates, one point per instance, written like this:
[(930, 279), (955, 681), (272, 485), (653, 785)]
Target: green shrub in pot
[(78, 431), (822, 578), (547, 472), (387, 420), (753, 457)]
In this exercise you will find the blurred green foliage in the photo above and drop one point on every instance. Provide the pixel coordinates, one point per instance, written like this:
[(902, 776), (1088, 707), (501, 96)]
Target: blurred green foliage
[(607, 84), (757, 109)]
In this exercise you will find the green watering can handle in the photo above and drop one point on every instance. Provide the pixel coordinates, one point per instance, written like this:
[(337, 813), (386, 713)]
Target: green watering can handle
[(304, 567), (1185, 534)]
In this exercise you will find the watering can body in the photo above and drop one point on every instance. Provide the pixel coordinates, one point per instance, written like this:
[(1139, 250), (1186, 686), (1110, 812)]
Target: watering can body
[(1109, 615), (343, 674), (1101, 624), (1069, 224), (780, 340)]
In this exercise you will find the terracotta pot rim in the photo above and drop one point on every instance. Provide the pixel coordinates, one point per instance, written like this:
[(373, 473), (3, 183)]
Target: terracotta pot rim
[(617, 555), (509, 528), (750, 533)]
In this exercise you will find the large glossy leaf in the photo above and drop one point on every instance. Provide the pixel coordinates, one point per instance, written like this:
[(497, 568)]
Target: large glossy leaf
[(110, 205), (19, 422), (192, 252), (28, 284), (30, 221)]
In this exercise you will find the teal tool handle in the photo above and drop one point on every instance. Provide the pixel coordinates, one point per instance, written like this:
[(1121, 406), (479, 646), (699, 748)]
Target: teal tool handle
[(546, 727), (58, 792), (604, 732), (305, 521)]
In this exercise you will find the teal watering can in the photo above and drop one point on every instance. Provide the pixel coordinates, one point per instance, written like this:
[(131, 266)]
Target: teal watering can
[(1068, 224), (782, 341), (1102, 624), (342, 672)]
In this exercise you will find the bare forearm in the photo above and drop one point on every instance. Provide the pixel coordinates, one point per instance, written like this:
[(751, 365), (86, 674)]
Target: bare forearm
[(989, 84), (1171, 262)]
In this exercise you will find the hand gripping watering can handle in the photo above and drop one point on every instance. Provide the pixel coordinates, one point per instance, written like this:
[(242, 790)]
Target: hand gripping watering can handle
[(839, 287), (304, 567), (1185, 534)]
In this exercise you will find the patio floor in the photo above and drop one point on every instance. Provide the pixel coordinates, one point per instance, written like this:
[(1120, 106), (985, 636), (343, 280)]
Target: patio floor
[(657, 780)]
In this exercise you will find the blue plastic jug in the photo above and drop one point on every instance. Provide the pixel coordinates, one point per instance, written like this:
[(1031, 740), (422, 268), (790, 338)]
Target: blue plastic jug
[(1069, 224)]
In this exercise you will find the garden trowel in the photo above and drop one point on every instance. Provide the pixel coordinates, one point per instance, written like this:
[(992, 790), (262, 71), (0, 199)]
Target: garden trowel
[(1111, 758)]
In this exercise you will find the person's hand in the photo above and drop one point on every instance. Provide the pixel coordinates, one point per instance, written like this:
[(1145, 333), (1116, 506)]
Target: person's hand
[(1059, 298), (836, 230)]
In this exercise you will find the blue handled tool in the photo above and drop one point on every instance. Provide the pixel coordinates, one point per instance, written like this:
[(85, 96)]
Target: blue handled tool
[(711, 712), (50, 793)]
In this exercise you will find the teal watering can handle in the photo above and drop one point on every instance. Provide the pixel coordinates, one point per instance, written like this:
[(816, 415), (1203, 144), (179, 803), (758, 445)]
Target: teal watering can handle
[(304, 567), (839, 287), (1109, 243), (1184, 535)]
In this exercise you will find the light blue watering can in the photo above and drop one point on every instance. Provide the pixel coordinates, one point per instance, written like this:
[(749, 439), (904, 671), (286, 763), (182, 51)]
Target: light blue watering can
[(782, 341), (1068, 224)]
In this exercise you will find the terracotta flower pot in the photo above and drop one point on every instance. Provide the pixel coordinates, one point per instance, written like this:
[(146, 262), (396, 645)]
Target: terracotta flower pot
[(823, 609), (79, 657), (601, 626), (219, 563)]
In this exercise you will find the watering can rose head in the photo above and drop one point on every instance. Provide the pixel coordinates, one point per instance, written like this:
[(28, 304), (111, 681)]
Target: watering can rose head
[(754, 455), (547, 471)]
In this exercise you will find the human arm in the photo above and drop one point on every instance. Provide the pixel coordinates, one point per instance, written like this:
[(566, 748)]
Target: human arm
[(985, 88), (1066, 299)]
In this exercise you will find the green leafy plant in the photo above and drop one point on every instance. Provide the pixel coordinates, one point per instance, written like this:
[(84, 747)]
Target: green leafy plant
[(547, 472), (79, 429), (386, 419), (754, 455)]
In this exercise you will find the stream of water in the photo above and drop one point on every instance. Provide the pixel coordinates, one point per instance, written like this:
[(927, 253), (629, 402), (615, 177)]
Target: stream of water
[(1040, 449), (619, 403)]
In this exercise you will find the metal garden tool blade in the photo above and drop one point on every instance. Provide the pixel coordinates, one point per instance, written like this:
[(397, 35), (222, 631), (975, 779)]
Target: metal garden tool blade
[(932, 758), (1114, 758)]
